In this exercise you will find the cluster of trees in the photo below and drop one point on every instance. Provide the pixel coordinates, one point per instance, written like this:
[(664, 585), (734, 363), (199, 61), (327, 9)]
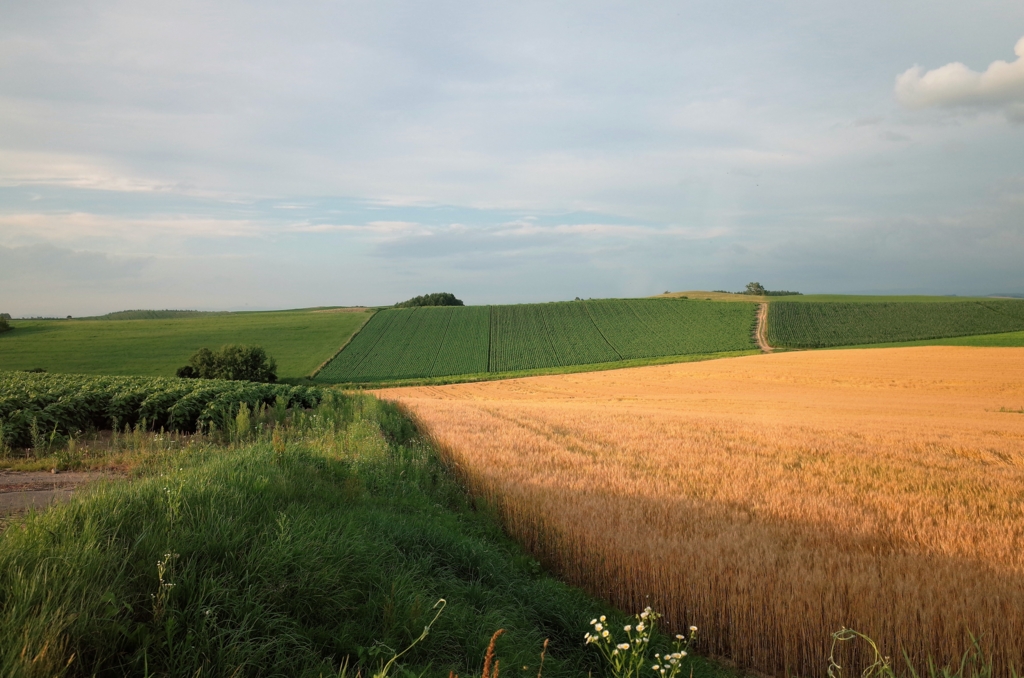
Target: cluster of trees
[(435, 299), (4, 325), (757, 289), (233, 362)]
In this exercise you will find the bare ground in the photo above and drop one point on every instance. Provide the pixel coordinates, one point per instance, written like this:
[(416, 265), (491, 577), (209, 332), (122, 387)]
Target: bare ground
[(762, 329), (23, 490)]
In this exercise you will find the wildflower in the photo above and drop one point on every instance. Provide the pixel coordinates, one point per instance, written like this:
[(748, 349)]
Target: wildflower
[(623, 646), (680, 636), (615, 652), (603, 618), (599, 627), (693, 628), (604, 634), (682, 654), (656, 667), (627, 628), (593, 621), (640, 627)]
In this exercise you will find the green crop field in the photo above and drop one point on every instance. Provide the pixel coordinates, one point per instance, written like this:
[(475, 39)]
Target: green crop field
[(299, 340), (821, 325), (65, 404), (437, 342)]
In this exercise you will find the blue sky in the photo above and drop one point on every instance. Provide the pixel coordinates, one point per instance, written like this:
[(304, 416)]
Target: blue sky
[(271, 155)]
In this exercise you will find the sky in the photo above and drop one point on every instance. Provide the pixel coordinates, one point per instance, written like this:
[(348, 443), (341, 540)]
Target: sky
[(256, 155)]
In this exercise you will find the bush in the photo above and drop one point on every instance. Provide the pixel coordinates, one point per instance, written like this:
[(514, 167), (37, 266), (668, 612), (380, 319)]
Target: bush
[(435, 299), (232, 362), (4, 325)]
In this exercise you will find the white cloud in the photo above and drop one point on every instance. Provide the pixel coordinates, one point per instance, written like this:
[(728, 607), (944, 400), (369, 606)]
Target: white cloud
[(1000, 86)]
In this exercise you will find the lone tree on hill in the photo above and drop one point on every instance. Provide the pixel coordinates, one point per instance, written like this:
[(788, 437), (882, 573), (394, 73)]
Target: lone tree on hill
[(435, 299), (234, 362), (755, 288)]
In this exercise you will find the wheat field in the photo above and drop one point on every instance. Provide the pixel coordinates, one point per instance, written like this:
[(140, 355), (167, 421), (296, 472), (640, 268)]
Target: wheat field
[(770, 499)]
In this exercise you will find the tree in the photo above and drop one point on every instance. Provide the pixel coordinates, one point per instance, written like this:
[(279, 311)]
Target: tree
[(4, 325), (435, 299), (234, 362), (755, 288)]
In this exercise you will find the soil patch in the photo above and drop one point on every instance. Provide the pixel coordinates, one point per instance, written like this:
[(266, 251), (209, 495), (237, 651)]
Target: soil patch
[(20, 490)]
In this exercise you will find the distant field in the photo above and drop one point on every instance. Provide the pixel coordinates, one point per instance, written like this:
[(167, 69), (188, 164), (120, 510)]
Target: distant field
[(828, 324), (769, 499), (816, 298), (435, 342), (299, 340)]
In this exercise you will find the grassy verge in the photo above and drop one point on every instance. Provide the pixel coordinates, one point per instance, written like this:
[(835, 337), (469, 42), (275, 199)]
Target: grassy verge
[(569, 369), (1004, 339), (293, 548)]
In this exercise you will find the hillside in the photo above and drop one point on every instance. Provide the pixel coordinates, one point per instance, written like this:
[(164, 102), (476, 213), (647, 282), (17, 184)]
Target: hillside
[(299, 340), (436, 342), (802, 324)]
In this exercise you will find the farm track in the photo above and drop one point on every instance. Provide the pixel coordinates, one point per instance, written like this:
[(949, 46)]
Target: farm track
[(762, 328)]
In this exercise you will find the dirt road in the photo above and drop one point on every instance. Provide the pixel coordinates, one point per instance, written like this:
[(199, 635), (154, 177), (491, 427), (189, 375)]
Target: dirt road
[(762, 329), (20, 491)]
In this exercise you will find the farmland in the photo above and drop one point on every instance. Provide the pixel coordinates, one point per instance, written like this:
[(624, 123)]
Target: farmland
[(435, 342), (299, 341), (827, 324), (33, 405), (769, 499)]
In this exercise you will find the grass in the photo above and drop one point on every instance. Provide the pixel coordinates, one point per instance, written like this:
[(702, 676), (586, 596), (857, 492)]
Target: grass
[(1004, 339), (299, 341), (822, 325), (432, 343), (770, 499), (301, 547)]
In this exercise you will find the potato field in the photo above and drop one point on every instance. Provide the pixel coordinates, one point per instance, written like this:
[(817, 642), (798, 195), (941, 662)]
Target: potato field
[(444, 341), (33, 405), (820, 325)]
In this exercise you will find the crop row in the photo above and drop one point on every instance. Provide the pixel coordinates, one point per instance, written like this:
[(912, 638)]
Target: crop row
[(423, 342), (819, 325), (65, 404)]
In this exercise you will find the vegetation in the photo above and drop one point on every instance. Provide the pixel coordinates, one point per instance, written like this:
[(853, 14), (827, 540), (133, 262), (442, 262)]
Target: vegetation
[(316, 544), (4, 325), (435, 299), (769, 500), (758, 290), (818, 325), (434, 342), (301, 341), (43, 410), (141, 314), (231, 362)]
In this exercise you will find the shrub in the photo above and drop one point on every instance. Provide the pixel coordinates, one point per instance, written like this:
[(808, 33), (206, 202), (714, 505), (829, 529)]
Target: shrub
[(232, 362), (4, 325), (435, 299)]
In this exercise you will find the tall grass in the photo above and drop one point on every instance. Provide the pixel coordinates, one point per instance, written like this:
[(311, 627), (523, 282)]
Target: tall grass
[(305, 542)]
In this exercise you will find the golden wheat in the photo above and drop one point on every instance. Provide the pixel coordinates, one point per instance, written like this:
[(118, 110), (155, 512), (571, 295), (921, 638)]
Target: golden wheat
[(770, 499)]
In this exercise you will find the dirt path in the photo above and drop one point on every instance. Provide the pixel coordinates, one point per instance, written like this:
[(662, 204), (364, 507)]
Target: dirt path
[(762, 329), (20, 491)]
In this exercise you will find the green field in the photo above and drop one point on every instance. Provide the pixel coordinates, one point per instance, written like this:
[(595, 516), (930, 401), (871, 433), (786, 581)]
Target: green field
[(299, 340), (437, 342), (830, 324)]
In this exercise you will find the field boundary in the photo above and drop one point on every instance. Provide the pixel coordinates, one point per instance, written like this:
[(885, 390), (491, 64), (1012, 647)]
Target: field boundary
[(761, 333), (348, 341), (540, 371)]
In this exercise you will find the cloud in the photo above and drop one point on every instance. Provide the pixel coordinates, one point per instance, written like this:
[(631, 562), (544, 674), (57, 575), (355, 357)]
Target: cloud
[(1000, 86)]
